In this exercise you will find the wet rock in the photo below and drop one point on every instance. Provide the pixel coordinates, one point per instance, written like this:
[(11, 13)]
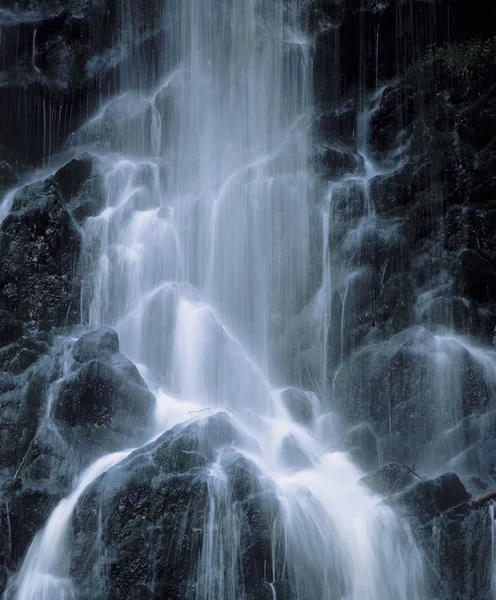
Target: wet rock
[(339, 124), (382, 245), (392, 190), (396, 302), (261, 524), (478, 276), (193, 444), (155, 519), (388, 479), (106, 392), (298, 405), (22, 401), (64, 58), (361, 445), (292, 454), (390, 386), (81, 187), (10, 328), (348, 205), (96, 344), (339, 161), (243, 474), (429, 499), (125, 126), (460, 546), (40, 247)]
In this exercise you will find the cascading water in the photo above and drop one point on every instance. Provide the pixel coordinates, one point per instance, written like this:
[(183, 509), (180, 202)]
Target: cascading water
[(202, 257)]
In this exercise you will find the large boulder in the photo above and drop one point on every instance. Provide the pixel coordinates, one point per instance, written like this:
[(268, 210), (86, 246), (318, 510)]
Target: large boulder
[(395, 387), (106, 390), (388, 479), (40, 247), (81, 187), (360, 444), (64, 58), (157, 509), (70, 404), (298, 405), (427, 500), (455, 536)]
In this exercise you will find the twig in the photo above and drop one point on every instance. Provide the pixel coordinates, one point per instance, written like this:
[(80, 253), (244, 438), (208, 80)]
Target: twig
[(484, 499), (229, 410), (20, 466), (194, 412), (409, 469)]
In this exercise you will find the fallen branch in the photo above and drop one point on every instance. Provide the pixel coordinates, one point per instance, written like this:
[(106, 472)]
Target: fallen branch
[(229, 410), (20, 466), (482, 500), (194, 412), (409, 469)]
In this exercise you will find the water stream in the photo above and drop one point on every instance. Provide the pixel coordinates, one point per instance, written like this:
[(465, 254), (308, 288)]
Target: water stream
[(203, 257)]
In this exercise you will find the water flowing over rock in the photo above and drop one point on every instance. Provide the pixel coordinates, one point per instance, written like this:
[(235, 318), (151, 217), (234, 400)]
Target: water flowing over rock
[(247, 300)]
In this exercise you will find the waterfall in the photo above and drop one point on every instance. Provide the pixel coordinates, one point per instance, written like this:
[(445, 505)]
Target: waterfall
[(203, 258), (44, 574)]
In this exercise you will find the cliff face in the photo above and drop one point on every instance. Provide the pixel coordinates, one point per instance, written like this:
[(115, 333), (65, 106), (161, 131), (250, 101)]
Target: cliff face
[(404, 166)]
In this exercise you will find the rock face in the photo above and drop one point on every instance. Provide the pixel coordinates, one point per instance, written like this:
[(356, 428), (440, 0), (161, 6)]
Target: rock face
[(62, 405), (456, 537), (63, 58), (156, 511), (40, 244), (404, 145)]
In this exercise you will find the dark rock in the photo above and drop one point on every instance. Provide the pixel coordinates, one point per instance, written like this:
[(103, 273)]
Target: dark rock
[(242, 473), (260, 514), (153, 520), (193, 444), (459, 545), (478, 276), (380, 244), (348, 205), (21, 408), (389, 478), (10, 328), (396, 302), (361, 445), (429, 499), (339, 161), (104, 394), (298, 405), (81, 188), (40, 246), (64, 59), (339, 124), (389, 385), (96, 344), (394, 386)]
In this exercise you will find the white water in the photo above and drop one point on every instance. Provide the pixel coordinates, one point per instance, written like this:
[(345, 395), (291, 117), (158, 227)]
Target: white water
[(199, 271), (44, 574)]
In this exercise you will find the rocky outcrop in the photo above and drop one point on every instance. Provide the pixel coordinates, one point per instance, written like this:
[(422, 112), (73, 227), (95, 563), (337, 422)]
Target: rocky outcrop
[(40, 244), (156, 509), (455, 535), (63, 58), (63, 404)]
